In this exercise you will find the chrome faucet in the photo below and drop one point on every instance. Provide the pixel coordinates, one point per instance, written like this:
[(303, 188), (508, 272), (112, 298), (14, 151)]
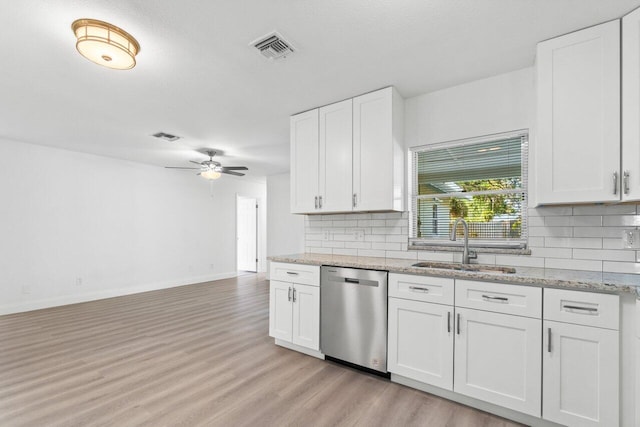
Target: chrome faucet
[(466, 254)]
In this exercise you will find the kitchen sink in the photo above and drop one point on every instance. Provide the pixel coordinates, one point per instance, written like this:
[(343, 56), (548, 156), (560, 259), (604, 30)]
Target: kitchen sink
[(466, 267)]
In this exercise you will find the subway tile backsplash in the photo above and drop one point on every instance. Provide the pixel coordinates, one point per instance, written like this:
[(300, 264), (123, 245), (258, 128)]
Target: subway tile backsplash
[(566, 237)]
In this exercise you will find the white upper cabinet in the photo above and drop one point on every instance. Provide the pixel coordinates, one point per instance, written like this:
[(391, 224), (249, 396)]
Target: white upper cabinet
[(304, 161), (631, 106), (355, 159), (336, 156), (578, 141), (378, 160)]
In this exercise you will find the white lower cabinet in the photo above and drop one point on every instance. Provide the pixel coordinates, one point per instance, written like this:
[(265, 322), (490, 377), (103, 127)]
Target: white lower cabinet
[(294, 313), (421, 341), (498, 360), (581, 364)]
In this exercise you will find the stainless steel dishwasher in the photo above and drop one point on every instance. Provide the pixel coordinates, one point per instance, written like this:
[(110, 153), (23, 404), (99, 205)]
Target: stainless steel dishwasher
[(353, 316)]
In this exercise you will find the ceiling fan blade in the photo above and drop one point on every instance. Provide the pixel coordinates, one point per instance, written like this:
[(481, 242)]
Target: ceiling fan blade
[(232, 173), (177, 167), (235, 168), (197, 163)]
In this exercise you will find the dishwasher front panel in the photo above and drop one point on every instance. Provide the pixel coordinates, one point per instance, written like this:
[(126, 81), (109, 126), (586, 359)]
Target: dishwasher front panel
[(353, 316)]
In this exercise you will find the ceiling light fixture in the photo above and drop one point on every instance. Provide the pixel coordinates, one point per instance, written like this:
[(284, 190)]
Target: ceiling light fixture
[(210, 174), (105, 44)]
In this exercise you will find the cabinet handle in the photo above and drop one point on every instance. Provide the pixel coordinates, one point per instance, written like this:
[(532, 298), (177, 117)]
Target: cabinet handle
[(448, 322), (292, 273), (549, 340), (615, 183), (316, 202), (355, 200), (418, 288), (491, 298), (289, 294), (320, 202), (458, 325), (577, 307), (626, 182), (294, 294)]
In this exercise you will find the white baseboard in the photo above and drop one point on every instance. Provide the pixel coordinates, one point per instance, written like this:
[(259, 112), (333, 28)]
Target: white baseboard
[(39, 304)]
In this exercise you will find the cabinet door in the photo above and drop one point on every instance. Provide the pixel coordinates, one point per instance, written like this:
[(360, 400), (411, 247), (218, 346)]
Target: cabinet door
[(578, 141), (580, 375), (498, 360), (421, 341), (306, 316), (373, 150), (336, 154), (280, 309), (304, 162), (631, 106)]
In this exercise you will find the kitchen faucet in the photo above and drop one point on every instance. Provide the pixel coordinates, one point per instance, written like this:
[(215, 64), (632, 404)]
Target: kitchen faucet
[(466, 254)]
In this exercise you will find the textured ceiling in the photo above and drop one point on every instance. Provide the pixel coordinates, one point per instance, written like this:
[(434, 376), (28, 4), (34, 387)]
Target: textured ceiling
[(196, 76)]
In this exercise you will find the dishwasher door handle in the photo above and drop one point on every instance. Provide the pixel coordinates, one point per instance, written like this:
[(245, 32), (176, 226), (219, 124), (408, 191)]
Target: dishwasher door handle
[(353, 281)]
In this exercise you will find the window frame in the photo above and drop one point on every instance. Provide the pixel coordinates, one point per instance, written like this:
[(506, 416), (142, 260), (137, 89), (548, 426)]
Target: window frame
[(521, 243)]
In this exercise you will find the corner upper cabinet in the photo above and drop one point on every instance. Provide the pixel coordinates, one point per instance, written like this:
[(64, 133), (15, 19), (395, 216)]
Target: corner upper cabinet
[(578, 141), (304, 161), (354, 159), (631, 106)]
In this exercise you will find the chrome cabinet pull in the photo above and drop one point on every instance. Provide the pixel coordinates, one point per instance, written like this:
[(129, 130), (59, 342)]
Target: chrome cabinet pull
[(626, 182), (615, 183), (448, 322), (289, 294), (320, 202), (458, 325), (419, 288), (355, 200), (294, 294), (316, 202), (549, 340), (491, 298), (577, 307), (292, 273)]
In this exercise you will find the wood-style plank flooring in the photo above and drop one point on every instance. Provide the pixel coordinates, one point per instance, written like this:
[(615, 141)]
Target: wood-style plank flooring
[(197, 355)]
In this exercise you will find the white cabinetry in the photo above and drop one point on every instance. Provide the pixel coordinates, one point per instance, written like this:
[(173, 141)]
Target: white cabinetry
[(420, 344), (578, 141), (581, 363), (294, 307), (631, 106), (353, 160), (497, 347)]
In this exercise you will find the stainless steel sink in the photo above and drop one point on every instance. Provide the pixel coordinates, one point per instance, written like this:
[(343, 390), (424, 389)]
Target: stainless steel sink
[(466, 267)]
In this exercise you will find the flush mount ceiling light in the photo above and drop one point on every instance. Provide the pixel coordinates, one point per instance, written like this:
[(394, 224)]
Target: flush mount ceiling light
[(105, 44)]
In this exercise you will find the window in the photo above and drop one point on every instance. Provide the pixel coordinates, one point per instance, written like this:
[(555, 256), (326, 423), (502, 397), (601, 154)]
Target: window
[(482, 180)]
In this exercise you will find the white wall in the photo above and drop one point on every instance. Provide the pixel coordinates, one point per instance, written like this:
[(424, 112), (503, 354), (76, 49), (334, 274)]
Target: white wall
[(121, 227), (497, 104), (285, 231)]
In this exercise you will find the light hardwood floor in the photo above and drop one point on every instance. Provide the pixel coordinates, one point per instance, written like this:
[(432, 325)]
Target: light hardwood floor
[(197, 355)]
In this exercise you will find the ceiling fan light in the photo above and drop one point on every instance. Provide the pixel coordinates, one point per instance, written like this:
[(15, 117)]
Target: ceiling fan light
[(210, 174), (105, 44)]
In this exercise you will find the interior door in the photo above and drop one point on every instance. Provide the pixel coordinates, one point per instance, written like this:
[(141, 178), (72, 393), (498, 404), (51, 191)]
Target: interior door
[(247, 229)]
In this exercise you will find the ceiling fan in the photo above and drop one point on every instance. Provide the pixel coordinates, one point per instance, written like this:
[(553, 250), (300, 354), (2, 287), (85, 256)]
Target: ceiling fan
[(210, 169)]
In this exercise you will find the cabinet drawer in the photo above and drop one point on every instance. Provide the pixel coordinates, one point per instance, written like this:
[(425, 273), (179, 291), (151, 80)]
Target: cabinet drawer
[(421, 288), (582, 308), (500, 298), (295, 273)]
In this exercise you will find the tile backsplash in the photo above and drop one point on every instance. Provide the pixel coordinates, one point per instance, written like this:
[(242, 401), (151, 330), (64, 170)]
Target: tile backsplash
[(585, 237)]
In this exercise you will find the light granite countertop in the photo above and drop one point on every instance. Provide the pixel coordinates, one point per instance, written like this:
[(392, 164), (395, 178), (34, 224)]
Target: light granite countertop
[(594, 281)]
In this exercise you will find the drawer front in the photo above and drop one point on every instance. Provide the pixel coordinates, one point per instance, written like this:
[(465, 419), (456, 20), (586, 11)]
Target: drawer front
[(500, 298), (421, 288), (582, 308), (295, 273)]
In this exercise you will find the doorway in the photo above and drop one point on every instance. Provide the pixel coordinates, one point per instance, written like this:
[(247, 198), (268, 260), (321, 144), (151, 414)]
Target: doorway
[(247, 233)]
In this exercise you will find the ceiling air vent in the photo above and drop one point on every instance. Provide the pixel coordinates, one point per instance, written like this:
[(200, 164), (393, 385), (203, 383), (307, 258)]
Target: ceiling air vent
[(273, 46), (166, 136)]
